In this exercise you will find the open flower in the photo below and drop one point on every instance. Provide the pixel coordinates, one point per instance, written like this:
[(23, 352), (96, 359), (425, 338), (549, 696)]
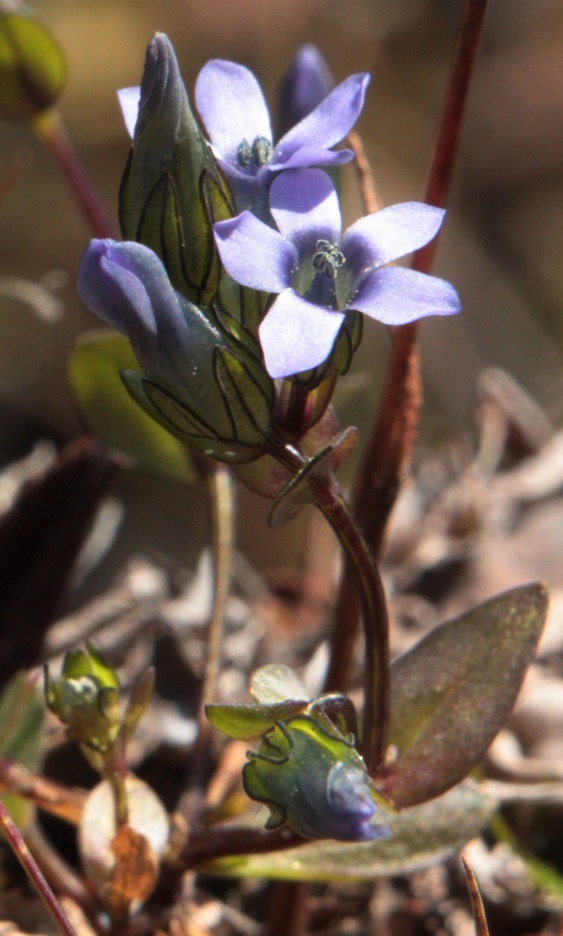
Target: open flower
[(233, 109), (321, 275)]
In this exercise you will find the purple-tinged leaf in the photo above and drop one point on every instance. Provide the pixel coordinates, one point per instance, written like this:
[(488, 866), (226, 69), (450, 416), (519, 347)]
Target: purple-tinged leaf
[(453, 692), (419, 837)]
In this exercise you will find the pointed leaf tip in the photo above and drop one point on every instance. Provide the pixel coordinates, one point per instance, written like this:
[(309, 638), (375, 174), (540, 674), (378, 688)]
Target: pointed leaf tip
[(452, 693)]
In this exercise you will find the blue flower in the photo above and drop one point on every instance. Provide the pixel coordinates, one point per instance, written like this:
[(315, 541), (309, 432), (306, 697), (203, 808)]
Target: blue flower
[(235, 114), (321, 274)]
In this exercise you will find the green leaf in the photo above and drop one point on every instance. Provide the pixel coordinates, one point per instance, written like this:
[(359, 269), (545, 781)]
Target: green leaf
[(276, 683), (21, 720), (419, 836), (301, 489), (245, 722), (452, 693), (32, 67), (137, 704), (113, 416), (22, 712)]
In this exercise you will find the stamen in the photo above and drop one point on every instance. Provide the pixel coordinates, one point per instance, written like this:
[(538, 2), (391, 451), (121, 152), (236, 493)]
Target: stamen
[(258, 152), (262, 151), (244, 153), (328, 258)]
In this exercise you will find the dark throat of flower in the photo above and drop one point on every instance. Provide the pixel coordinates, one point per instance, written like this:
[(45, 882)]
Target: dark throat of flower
[(327, 261)]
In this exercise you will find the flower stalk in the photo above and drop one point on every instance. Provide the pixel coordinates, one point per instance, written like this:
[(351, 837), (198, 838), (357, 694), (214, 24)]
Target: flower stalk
[(50, 129), (394, 432)]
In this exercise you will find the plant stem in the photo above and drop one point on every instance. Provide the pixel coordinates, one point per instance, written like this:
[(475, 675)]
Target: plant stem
[(389, 448), (34, 873), (50, 129), (329, 500), (223, 507), (287, 908), (376, 629)]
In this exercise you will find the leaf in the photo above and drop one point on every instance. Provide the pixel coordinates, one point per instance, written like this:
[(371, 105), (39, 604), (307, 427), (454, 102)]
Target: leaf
[(32, 67), (112, 859), (113, 416), (419, 836), (245, 722), (453, 692), (301, 489), (139, 700), (276, 683), (21, 720), (21, 731)]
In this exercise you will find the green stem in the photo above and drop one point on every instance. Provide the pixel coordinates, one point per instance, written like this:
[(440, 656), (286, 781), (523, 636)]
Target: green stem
[(34, 873), (223, 506), (50, 129), (389, 448)]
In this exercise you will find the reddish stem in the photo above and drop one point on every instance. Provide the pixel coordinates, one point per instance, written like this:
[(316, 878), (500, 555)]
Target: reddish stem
[(34, 873), (394, 432), (51, 131)]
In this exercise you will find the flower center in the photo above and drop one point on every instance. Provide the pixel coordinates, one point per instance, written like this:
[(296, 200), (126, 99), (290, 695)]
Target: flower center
[(258, 152), (328, 258)]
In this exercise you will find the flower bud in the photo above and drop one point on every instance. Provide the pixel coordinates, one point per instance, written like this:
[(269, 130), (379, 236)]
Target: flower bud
[(32, 66), (173, 189), (305, 84), (86, 699), (312, 778), (204, 385)]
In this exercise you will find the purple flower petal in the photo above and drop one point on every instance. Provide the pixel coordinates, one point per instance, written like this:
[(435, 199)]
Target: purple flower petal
[(254, 254), (313, 156), (396, 295), (305, 207), (390, 233), (297, 335), (126, 285), (232, 107), (129, 99), (329, 122)]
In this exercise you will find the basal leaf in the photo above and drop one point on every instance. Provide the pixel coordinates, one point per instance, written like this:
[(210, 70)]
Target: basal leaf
[(22, 712), (453, 692), (418, 837)]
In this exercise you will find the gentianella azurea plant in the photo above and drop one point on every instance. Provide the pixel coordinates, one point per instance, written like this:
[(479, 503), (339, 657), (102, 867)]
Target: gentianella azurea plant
[(242, 299)]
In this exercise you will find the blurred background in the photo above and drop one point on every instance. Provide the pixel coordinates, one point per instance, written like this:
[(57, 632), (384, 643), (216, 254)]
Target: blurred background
[(502, 244)]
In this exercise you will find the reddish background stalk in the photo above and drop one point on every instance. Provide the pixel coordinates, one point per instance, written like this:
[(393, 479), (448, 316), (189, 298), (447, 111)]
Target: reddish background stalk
[(390, 445)]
